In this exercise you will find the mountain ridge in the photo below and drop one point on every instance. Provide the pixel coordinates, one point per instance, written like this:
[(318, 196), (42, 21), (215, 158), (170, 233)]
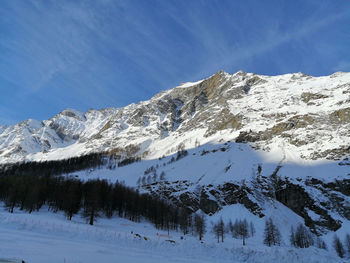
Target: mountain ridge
[(270, 112)]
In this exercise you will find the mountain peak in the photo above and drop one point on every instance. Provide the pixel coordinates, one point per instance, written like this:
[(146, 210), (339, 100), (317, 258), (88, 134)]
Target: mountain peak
[(72, 113), (240, 73)]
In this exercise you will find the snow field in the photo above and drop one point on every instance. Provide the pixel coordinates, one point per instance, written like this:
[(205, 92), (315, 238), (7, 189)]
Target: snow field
[(242, 159), (48, 237)]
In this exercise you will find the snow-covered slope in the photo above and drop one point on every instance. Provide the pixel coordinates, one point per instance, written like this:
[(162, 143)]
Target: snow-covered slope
[(233, 146), (295, 116)]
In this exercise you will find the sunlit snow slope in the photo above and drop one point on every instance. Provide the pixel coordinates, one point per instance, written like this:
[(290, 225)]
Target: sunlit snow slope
[(295, 116)]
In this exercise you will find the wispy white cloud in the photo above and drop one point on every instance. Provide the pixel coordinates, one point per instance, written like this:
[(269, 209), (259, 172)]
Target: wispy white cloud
[(64, 39), (221, 54), (109, 53)]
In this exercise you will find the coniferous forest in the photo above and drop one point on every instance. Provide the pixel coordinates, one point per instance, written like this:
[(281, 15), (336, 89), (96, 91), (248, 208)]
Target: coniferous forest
[(94, 198), (56, 167), (30, 186)]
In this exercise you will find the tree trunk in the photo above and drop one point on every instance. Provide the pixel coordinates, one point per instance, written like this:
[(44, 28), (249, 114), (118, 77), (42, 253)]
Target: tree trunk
[(91, 218)]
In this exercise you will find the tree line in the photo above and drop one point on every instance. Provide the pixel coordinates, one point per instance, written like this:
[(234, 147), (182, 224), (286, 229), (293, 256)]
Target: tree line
[(55, 167), (66, 166), (29, 186)]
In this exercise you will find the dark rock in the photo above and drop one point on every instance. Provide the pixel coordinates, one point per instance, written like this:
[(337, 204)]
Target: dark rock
[(296, 198), (234, 194), (206, 204)]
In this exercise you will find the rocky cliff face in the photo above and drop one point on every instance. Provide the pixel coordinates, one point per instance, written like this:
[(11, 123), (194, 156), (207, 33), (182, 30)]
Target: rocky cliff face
[(323, 203)]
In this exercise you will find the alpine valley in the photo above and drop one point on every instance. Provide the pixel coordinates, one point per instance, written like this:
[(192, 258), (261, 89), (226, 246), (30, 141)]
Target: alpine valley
[(228, 145)]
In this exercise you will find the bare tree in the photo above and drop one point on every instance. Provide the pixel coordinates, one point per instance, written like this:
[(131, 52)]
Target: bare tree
[(184, 221), (251, 229), (338, 246), (216, 231), (347, 243), (272, 236), (320, 243), (230, 227), (199, 225), (154, 178), (240, 230), (149, 179), (219, 230), (259, 169), (292, 237), (162, 176), (302, 237)]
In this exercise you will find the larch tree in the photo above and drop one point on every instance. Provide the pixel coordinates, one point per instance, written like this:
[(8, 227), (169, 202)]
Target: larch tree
[(302, 237), (240, 230), (347, 243), (199, 225), (272, 236), (338, 246)]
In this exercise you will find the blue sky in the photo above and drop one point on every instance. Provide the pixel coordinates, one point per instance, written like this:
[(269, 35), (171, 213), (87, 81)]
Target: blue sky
[(95, 54)]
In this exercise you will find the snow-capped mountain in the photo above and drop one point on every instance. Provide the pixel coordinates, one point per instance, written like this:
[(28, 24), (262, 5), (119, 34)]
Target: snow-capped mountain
[(265, 143), (293, 117)]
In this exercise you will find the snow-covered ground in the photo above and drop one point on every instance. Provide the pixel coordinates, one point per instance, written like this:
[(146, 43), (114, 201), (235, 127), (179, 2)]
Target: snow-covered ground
[(48, 237)]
